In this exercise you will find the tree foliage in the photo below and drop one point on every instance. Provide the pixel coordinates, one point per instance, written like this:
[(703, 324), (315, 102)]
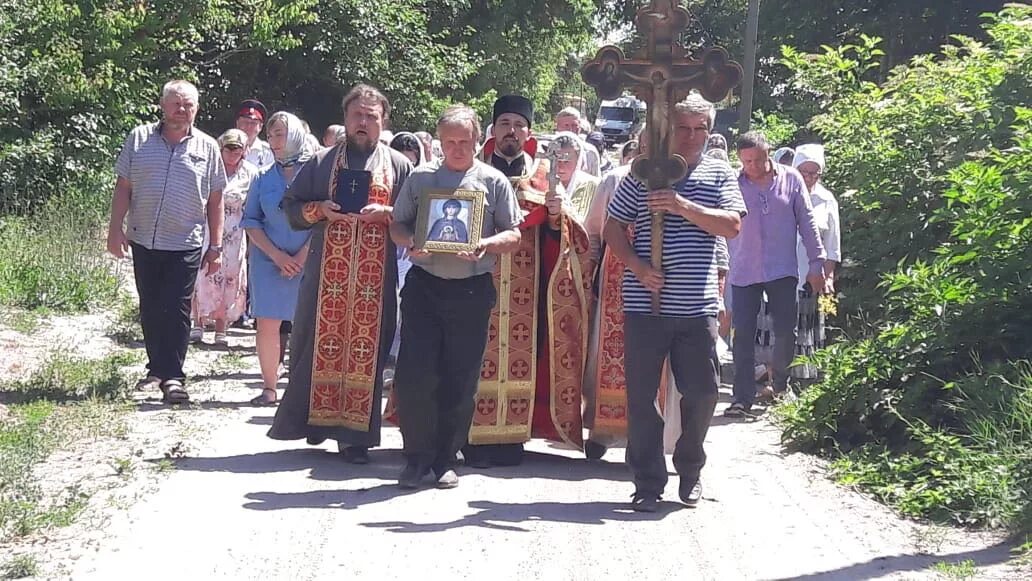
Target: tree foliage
[(75, 75), (932, 384)]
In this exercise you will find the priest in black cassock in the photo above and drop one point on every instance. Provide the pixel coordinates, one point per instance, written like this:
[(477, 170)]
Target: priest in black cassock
[(347, 306)]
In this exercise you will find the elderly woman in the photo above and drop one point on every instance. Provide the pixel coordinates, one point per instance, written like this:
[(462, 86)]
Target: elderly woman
[(809, 160), (278, 252), (579, 185), (222, 296)]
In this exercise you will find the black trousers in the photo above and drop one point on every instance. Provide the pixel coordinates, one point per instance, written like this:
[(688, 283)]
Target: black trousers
[(165, 282), (443, 338), (690, 343)]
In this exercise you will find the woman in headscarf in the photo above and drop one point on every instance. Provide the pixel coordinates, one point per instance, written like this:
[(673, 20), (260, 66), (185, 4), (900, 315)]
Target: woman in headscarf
[(277, 252), (223, 295), (809, 160), (784, 156), (580, 185), (410, 145)]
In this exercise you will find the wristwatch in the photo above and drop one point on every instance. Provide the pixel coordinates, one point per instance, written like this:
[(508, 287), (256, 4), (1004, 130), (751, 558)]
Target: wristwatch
[(216, 247)]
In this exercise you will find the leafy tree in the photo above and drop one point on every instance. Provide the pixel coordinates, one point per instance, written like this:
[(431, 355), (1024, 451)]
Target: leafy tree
[(930, 394), (75, 76)]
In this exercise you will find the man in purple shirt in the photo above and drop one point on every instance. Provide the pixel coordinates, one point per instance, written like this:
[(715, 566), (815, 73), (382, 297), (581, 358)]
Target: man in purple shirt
[(763, 261)]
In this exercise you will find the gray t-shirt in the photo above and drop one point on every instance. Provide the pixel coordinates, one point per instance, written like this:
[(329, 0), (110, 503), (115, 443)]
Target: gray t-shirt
[(501, 212)]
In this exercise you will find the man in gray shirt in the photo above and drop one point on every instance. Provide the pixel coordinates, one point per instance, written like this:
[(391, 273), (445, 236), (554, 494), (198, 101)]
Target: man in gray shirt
[(170, 181), (446, 304)]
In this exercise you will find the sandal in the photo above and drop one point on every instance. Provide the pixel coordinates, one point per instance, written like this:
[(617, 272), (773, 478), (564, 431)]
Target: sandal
[(173, 392), (260, 400), (196, 335), (736, 410), (220, 339)]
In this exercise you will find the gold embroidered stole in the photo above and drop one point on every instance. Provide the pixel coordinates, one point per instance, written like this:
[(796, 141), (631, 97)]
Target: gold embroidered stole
[(507, 390), (610, 414), (350, 305)]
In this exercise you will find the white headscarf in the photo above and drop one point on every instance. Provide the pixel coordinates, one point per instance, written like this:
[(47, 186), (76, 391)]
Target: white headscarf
[(578, 144), (781, 153), (297, 149), (420, 154), (809, 152)]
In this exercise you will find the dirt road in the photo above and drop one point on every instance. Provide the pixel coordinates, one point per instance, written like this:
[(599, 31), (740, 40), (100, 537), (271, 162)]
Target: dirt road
[(236, 505)]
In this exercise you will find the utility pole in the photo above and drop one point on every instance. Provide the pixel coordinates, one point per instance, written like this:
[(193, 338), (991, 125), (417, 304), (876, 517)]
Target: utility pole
[(752, 26)]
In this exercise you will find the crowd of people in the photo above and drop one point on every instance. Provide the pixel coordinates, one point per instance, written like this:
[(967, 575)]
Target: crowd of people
[(546, 319)]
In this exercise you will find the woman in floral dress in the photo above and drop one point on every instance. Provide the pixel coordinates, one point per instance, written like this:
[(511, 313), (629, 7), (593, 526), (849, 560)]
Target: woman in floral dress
[(223, 296)]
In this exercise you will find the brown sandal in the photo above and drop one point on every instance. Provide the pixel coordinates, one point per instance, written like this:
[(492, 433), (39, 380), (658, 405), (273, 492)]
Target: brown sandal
[(173, 392)]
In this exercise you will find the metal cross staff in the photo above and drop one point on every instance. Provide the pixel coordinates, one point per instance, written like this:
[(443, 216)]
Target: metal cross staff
[(661, 76), (554, 156)]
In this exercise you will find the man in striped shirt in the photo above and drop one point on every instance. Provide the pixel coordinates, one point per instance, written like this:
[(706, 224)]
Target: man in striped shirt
[(702, 206), (170, 181)]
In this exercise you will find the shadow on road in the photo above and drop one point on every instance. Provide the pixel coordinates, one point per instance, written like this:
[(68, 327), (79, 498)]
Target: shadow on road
[(386, 465), (882, 566), (154, 404), (506, 516)]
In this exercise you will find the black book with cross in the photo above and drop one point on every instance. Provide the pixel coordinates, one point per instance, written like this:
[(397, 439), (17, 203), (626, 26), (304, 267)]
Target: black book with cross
[(352, 190)]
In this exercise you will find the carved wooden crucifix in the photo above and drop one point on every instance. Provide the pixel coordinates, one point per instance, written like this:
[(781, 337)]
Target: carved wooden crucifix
[(661, 76)]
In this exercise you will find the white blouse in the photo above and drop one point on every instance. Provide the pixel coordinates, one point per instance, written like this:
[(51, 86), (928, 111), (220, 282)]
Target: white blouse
[(826, 212)]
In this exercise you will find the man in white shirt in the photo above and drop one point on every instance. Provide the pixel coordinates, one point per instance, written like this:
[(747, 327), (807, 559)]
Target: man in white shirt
[(250, 119)]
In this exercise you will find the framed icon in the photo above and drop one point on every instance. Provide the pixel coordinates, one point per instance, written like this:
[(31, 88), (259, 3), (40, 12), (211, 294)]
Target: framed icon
[(450, 221)]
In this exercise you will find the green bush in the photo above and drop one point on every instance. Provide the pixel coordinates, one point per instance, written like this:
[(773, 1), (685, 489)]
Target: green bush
[(928, 402)]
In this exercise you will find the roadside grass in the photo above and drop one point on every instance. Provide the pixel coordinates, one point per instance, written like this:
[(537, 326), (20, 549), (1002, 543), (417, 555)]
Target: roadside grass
[(961, 570), (67, 400), (54, 258), (125, 328), (976, 472), (64, 377), (20, 567), (24, 321)]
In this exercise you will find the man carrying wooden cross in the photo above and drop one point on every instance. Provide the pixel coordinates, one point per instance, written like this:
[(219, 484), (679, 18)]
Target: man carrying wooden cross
[(703, 205)]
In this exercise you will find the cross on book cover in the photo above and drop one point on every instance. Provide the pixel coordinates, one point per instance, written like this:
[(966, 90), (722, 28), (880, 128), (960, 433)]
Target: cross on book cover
[(352, 190)]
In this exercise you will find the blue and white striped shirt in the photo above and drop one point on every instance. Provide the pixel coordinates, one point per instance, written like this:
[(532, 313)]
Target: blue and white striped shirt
[(170, 186), (690, 254)]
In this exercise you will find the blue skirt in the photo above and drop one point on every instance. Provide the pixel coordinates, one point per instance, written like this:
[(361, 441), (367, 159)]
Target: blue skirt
[(273, 296)]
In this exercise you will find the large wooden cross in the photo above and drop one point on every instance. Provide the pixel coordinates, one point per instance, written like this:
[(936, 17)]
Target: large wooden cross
[(661, 75)]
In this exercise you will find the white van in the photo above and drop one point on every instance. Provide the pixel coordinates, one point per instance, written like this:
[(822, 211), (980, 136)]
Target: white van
[(619, 119)]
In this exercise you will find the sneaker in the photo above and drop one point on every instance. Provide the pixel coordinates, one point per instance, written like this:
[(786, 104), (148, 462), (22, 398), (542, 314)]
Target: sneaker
[(356, 454), (690, 491), (196, 335), (641, 502), (411, 476), (448, 480)]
